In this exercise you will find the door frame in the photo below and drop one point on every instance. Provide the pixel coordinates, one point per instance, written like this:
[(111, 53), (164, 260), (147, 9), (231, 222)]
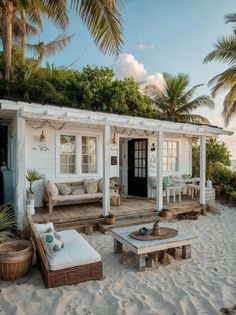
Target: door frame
[(147, 165)]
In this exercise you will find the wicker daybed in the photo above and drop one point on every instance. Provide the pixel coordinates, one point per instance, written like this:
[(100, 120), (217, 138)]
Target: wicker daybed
[(71, 275)]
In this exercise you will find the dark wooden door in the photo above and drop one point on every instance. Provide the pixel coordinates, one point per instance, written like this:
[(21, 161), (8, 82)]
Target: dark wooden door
[(137, 167)]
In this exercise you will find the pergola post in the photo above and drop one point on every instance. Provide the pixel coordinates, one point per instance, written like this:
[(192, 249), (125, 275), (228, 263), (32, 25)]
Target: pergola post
[(159, 175), (203, 173), (106, 169), (20, 193)]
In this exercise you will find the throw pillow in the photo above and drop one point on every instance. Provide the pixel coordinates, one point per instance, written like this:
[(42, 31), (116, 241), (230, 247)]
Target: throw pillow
[(51, 188), (78, 190), (100, 185), (167, 181), (64, 189), (42, 228), (52, 243), (90, 186)]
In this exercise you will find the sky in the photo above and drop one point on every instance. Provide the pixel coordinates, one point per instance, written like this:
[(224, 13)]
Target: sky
[(159, 36)]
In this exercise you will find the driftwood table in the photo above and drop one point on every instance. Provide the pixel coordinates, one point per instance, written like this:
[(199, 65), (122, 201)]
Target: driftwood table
[(146, 249)]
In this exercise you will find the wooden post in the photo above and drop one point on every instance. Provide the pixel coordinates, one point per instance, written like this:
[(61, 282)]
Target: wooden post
[(140, 261), (186, 251), (117, 247), (20, 196), (106, 169), (203, 173), (159, 167)]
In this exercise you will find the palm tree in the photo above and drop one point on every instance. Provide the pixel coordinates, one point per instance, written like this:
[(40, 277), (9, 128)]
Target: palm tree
[(225, 51), (102, 18), (50, 49), (177, 102)]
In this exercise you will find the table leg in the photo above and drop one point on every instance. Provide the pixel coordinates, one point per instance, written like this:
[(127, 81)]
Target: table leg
[(117, 247), (186, 251), (140, 261)]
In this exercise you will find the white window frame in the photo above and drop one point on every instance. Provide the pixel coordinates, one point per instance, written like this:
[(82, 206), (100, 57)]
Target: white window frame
[(81, 154), (168, 156), (78, 135)]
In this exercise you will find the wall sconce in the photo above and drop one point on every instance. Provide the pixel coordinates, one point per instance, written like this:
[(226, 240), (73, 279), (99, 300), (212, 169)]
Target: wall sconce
[(42, 137), (153, 148), (113, 140)]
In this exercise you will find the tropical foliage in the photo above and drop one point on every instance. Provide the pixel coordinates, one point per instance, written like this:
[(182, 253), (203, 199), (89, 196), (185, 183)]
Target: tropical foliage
[(92, 88), (178, 103), (32, 176), (225, 51), (217, 166), (216, 154), (19, 18), (7, 221)]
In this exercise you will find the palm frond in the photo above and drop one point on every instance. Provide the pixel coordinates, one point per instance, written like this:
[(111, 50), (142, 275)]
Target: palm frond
[(229, 105), (57, 44), (57, 12), (230, 18), (225, 51), (7, 217), (103, 21)]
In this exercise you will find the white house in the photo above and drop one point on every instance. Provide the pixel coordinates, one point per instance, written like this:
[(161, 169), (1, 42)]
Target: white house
[(131, 148)]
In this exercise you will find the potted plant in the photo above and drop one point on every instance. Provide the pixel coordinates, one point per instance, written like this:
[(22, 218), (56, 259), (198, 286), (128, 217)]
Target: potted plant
[(32, 176), (109, 219)]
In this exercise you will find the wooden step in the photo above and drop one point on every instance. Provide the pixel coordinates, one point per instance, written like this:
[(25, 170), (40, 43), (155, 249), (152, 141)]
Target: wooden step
[(105, 229)]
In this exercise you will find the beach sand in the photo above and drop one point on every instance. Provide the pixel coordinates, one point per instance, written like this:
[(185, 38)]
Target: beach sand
[(201, 285)]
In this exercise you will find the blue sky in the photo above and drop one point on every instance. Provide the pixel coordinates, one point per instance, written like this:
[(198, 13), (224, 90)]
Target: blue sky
[(161, 36)]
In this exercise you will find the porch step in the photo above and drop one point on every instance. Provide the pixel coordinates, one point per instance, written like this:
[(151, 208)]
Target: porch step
[(105, 229)]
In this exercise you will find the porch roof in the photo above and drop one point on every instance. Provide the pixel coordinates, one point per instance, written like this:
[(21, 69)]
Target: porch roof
[(64, 114)]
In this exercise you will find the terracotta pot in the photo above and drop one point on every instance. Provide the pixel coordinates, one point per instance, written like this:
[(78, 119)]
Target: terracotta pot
[(109, 220)]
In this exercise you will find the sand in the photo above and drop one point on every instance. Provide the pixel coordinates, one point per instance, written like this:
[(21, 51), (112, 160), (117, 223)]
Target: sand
[(201, 285)]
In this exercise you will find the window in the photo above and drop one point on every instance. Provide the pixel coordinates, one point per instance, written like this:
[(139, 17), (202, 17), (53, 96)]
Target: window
[(67, 154), (89, 154), (140, 158), (170, 156)]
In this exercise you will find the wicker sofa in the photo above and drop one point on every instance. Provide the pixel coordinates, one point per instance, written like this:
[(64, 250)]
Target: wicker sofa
[(51, 200), (76, 262)]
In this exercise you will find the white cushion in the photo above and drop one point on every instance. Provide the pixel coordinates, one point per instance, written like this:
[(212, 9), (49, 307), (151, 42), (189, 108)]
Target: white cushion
[(51, 188), (76, 252), (61, 198), (42, 228)]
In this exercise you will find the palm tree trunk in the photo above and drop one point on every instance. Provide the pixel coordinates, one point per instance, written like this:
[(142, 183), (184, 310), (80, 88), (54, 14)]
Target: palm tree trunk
[(8, 10), (23, 37)]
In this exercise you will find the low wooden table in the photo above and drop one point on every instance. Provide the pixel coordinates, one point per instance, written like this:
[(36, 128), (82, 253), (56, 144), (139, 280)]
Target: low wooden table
[(143, 249)]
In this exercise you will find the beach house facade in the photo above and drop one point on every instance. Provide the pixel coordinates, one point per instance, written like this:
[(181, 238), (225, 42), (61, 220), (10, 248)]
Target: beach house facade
[(71, 145)]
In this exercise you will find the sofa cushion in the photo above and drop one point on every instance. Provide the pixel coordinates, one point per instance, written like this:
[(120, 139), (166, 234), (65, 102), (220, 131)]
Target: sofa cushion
[(61, 198), (90, 186), (63, 189), (51, 188), (76, 252), (52, 243), (77, 190), (43, 228)]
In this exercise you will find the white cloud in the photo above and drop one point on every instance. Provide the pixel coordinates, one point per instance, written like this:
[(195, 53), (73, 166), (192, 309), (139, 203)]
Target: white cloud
[(142, 46), (128, 66)]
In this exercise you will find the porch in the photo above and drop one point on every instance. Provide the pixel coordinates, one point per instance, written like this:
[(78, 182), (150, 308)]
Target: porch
[(132, 210)]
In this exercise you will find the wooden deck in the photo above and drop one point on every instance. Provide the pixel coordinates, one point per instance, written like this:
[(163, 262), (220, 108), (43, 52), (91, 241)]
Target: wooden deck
[(81, 215)]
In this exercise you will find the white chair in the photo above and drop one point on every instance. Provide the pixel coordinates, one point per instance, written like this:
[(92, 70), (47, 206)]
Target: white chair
[(193, 190), (172, 191)]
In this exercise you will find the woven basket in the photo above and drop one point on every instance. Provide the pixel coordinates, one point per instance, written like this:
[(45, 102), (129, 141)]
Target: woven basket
[(16, 263)]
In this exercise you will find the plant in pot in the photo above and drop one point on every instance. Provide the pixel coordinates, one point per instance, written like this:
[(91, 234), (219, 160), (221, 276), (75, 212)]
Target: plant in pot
[(15, 255), (109, 219), (32, 176)]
